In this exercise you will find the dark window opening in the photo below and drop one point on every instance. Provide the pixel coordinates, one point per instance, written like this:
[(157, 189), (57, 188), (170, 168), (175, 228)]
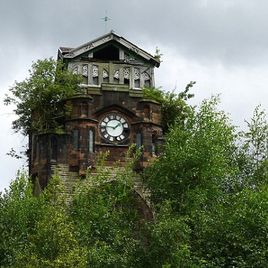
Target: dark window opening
[(137, 83), (84, 109), (147, 83), (34, 156), (105, 76), (37, 150), (126, 81), (139, 140), (95, 80), (54, 148), (75, 139), (154, 145), (85, 80), (42, 149), (116, 77), (107, 53), (147, 111)]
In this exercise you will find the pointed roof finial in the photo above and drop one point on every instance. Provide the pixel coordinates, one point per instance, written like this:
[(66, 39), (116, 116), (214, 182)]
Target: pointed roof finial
[(106, 19)]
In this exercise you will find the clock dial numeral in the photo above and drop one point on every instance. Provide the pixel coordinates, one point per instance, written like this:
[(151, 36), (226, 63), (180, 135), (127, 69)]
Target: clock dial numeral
[(106, 119), (122, 137), (117, 117), (103, 129), (111, 138), (122, 120), (106, 136), (125, 125), (103, 124)]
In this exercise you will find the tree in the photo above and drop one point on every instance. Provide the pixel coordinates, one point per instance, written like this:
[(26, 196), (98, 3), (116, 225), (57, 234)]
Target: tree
[(39, 99), (174, 106), (234, 233), (19, 212), (210, 178), (37, 231), (198, 158)]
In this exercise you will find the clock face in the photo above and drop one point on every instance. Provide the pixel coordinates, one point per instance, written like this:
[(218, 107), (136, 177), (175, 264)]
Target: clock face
[(114, 128)]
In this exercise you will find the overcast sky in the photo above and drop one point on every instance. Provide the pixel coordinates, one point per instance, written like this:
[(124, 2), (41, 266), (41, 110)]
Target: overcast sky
[(220, 44)]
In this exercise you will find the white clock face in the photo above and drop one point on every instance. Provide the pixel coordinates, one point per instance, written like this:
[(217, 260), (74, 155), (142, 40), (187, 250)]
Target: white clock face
[(114, 128)]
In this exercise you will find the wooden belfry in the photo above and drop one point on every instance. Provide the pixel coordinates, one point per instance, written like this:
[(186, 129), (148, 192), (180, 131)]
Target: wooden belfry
[(109, 114)]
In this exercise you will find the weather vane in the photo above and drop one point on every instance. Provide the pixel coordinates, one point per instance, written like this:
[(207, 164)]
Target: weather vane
[(106, 19)]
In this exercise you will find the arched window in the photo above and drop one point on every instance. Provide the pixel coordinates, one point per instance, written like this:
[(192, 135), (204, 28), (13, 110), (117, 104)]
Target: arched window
[(75, 139), (54, 147), (147, 80), (126, 76), (105, 76), (147, 111), (84, 109), (85, 73), (137, 81), (139, 140), (34, 146), (116, 77), (95, 75), (90, 140)]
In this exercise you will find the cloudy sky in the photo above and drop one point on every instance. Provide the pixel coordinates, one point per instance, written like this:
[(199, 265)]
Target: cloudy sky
[(220, 44)]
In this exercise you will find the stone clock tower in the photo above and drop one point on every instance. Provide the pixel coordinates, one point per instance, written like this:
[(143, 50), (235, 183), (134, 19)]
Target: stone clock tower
[(109, 114)]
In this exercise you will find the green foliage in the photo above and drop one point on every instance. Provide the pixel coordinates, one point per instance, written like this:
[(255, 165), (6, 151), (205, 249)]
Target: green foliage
[(215, 182), (169, 240), (37, 231), (173, 106), (234, 233), (19, 211), (39, 98), (197, 160), (255, 149), (105, 213), (256, 138)]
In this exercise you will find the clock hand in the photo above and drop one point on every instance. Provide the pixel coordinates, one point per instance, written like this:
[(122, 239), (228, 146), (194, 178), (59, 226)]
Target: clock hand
[(117, 125)]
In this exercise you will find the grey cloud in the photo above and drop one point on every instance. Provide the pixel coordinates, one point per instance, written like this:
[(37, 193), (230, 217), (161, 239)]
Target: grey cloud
[(233, 32)]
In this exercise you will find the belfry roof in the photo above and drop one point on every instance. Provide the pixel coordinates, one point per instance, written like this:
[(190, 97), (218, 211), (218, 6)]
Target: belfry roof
[(70, 53)]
